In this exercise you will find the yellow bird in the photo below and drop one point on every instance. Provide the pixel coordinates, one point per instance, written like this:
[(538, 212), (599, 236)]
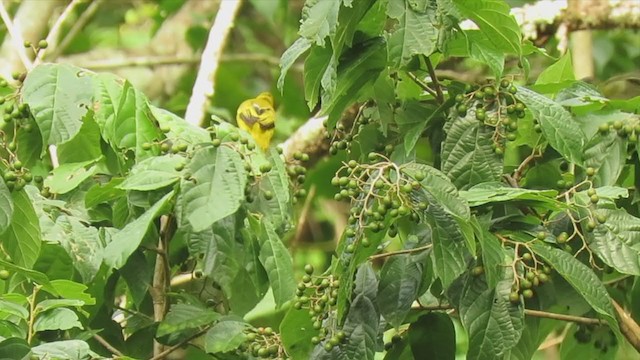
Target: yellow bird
[(258, 117)]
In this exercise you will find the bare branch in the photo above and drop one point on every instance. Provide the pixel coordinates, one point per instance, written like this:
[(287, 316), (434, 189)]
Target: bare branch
[(52, 37), (75, 29), (204, 87), (16, 38)]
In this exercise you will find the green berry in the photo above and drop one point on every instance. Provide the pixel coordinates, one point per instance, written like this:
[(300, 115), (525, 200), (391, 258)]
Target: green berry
[(477, 271), (308, 269), (4, 274), (528, 293), (594, 199), (43, 44), (541, 235), (514, 297)]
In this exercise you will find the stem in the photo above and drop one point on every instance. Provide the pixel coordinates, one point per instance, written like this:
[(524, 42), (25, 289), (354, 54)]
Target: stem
[(628, 327), (75, 29), (16, 37), (109, 64), (32, 311), (424, 86), (107, 346), (177, 346), (204, 87), (400, 252), (52, 37), (158, 290), (434, 78), (293, 245)]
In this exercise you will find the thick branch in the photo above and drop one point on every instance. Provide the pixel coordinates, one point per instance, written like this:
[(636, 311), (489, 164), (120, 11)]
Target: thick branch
[(204, 87)]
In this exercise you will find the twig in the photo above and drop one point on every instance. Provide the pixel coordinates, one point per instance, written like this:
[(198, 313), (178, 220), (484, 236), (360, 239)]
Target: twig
[(108, 64), (303, 218), (107, 346), (178, 345), (518, 173), (434, 78), (75, 29), (422, 85), (158, 290), (52, 37), (400, 252), (32, 310), (529, 312), (16, 37), (204, 87), (628, 326)]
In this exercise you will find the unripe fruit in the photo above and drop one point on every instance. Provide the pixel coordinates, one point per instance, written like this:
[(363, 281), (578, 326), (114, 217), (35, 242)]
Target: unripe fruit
[(43, 44), (514, 297), (308, 268), (528, 294), (4, 274)]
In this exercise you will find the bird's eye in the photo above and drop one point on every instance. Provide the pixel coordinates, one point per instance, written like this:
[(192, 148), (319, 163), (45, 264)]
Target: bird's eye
[(259, 111)]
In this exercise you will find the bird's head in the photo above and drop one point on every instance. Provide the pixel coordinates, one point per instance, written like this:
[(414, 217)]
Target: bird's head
[(266, 96)]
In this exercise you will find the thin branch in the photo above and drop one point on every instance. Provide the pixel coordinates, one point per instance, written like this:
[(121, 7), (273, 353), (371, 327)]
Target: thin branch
[(75, 29), (107, 346), (109, 64), (628, 326), (519, 171), (178, 345), (16, 37), (302, 219), (52, 37), (528, 312), (204, 87), (161, 281), (422, 85), (400, 252), (434, 79)]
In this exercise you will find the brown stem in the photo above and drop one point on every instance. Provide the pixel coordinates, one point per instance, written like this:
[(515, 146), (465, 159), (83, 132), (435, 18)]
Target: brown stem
[(107, 346), (434, 78), (628, 326), (177, 346), (158, 290)]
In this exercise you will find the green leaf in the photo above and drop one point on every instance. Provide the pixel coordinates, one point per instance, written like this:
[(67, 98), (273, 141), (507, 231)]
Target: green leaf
[(314, 68), (558, 126), (185, 316), (608, 155), (126, 241), (57, 319), (296, 331), (179, 130), (67, 177), (581, 278), (83, 246), (102, 193), (617, 241), (216, 187), (85, 145), (319, 20), (14, 348), (13, 309), (560, 71), (495, 22), (64, 350), (137, 274), (277, 261), (6, 206), (493, 257), (415, 132), (49, 304), (467, 156), (59, 95), (288, 58), (226, 335), (35, 276), (277, 209), (415, 33), (489, 193), (71, 290), (493, 323), (400, 279), (433, 336), (22, 239), (153, 173)]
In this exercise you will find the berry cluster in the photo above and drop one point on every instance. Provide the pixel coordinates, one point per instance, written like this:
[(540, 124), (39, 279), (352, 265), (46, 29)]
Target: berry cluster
[(319, 295), (380, 192), (263, 343), (15, 174), (629, 129), (341, 138), (494, 106)]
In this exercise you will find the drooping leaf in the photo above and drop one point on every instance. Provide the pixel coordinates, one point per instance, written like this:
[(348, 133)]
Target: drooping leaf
[(398, 288), (59, 95), (581, 278), (83, 246), (126, 241), (215, 189), (617, 241), (6, 206), (57, 319), (23, 238), (493, 323), (607, 154), (288, 58), (277, 261), (467, 156), (493, 257), (296, 330), (475, 45), (415, 33), (558, 126), (495, 21), (185, 316), (433, 336)]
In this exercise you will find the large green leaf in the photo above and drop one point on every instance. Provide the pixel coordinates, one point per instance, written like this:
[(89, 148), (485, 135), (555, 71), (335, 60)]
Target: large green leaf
[(57, 319), (226, 335), (493, 192), (278, 208), (296, 330), (493, 256), (67, 177), (493, 323), (59, 95), (617, 241), (64, 350), (558, 126), (82, 244), (415, 33), (608, 155), (400, 279), (216, 187), (22, 239), (277, 261), (581, 278), (319, 20), (467, 156), (126, 241), (433, 336), (315, 66), (35, 276), (474, 44), (153, 173), (494, 20), (289, 56), (185, 316), (6, 206), (561, 70)]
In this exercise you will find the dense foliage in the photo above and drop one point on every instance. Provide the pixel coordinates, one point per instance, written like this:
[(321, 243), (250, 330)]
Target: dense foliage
[(498, 206)]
